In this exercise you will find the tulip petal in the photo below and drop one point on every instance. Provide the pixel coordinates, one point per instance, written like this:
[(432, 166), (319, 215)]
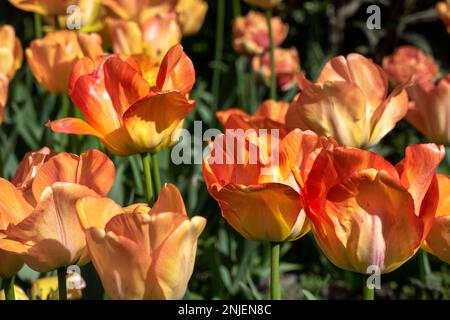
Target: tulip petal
[(124, 84), (438, 240), (55, 218), (273, 110), (336, 109), (174, 262), (169, 200), (47, 255), (176, 72), (300, 148), (223, 115), (73, 126), (391, 111), (129, 262), (151, 121), (10, 263), (262, 212), (13, 206), (96, 171), (31, 162), (96, 212), (418, 168), (356, 68), (339, 164), (60, 168)]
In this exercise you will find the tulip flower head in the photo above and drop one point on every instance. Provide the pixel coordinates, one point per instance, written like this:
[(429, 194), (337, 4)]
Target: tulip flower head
[(287, 65), (38, 213), (348, 102), (409, 62), (365, 212), (151, 38), (128, 115), (251, 33), (251, 178), (52, 58), (152, 250)]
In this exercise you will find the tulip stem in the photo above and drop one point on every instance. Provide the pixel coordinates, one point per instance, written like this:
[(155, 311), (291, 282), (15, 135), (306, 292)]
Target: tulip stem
[(368, 292), (237, 12), (62, 283), (218, 54), (146, 163), (424, 265), (273, 79), (8, 288), (37, 26), (155, 175), (275, 292)]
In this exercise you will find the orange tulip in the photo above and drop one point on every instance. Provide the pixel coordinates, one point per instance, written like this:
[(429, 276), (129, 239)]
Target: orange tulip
[(11, 52), (270, 115), (443, 10), (11, 57), (152, 38), (251, 34), (348, 102), (259, 197), (366, 212), (429, 110), (408, 62), (43, 7), (125, 113), (51, 59), (40, 218), (191, 14), (152, 250), (438, 240), (287, 64), (267, 4)]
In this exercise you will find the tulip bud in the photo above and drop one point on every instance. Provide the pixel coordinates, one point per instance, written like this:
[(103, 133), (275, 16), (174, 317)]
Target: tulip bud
[(251, 34)]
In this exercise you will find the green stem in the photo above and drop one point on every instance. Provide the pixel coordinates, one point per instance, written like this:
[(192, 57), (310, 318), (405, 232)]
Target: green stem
[(8, 288), (155, 175), (37, 26), (62, 283), (424, 265), (146, 163), (273, 79), (368, 293), (237, 11), (275, 292), (218, 55)]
